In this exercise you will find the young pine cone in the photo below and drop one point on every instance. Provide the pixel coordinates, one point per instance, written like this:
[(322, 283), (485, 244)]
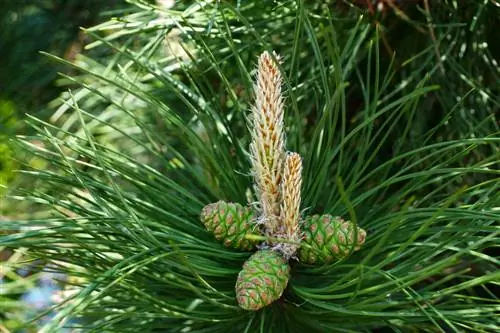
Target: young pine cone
[(262, 280), (329, 238), (230, 222)]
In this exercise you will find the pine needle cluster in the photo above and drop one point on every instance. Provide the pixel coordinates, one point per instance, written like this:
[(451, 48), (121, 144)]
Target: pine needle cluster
[(149, 134)]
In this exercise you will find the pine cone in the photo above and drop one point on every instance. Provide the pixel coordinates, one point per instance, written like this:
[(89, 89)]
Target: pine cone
[(262, 280), (328, 238), (230, 222)]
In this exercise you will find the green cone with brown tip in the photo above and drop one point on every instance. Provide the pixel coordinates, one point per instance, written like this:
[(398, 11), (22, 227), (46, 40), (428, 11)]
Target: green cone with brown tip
[(230, 222), (329, 238), (262, 280)]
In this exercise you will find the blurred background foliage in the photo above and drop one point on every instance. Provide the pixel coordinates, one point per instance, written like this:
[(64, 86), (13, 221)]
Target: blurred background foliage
[(446, 44), (54, 26), (28, 82)]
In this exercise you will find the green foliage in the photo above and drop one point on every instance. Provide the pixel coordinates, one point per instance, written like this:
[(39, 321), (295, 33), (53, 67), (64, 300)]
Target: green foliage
[(8, 120), (6, 164), (151, 134), (13, 285), (28, 27), (7, 126)]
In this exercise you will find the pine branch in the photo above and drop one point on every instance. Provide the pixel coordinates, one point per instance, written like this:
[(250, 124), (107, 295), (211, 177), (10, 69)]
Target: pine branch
[(144, 141)]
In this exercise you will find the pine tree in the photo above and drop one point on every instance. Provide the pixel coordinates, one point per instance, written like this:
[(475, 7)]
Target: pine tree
[(158, 128)]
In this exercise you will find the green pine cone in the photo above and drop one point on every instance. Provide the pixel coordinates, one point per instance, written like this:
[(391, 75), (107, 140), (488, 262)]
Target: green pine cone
[(328, 238), (262, 280), (230, 222)]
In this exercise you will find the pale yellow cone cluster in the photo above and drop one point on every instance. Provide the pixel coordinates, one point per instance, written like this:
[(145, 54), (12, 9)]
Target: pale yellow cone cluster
[(278, 175)]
